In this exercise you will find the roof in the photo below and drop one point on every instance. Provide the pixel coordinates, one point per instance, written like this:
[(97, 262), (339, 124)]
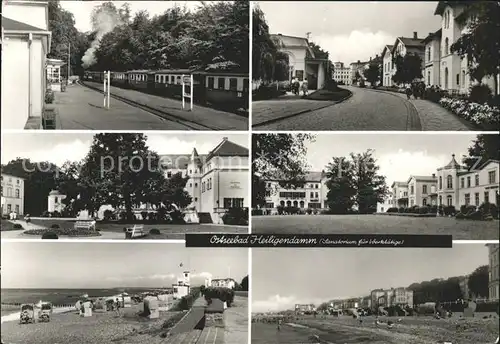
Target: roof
[(14, 25), (228, 148), (433, 35), (179, 161), (291, 41), (453, 164), (426, 178), (11, 175), (308, 177), (55, 192), (442, 5), (387, 47), (399, 184), (411, 42)]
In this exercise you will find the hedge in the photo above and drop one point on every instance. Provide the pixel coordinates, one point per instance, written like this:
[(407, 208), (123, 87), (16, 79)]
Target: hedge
[(223, 294), (236, 217), (50, 235)]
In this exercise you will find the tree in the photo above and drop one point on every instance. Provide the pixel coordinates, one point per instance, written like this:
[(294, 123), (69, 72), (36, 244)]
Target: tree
[(436, 290), (244, 283), (372, 74), (279, 157), (483, 148), (119, 170), (173, 191), (357, 76), (354, 180), (408, 68), (264, 48), (481, 43), (478, 282)]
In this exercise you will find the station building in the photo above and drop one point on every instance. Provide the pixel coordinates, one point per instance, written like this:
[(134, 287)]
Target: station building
[(25, 45), (12, 194)]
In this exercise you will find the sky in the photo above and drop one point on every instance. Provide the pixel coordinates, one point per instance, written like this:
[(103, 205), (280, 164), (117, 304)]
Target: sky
[(58, 148), (283, 277), (398, 155), (112, 265), (351, 31), (82, 9)]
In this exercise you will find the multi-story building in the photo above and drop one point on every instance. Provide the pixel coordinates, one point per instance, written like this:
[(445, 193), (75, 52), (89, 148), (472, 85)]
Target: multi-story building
[(389, 202), (453, 70), (493, 253), (432, 57), (223, 283), (356, 68), (452, 185), (422, 190), (25, 45), (387, 66), (302, 60), (391, 297), (311, 195), (341, 73), (12, 194), (400, 194)]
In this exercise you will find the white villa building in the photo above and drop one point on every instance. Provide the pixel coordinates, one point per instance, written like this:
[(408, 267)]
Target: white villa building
[(387, 66), (12, 194), (312, 195), (55, 201), (342, 73), (452, 185), (442, 67), (25, 44), (217, 181), (388, 203), (400, 194), (223, 283), (302, 60), (401, 47)]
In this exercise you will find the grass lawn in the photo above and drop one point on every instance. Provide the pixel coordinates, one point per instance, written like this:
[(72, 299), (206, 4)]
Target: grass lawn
[(167, 231), (375, 224), (336, 95), (8, 226)]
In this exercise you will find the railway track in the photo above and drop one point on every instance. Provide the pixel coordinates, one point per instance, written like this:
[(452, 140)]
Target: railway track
[(159, 113)]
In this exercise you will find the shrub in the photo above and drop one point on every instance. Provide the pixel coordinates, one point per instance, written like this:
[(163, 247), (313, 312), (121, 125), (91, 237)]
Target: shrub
[(49, 96), (480, 94), (423, 210), (55, 226), (291, 210), (108, 215), (177, 217), (489, 209), (223, 294), (257, 212), (17, 226), (401, 210), (309, 211), (281, 210), (483, 115), (50, 235), (124, 229), (236, 216), (392, 210), (433, 209), (45, 214), (56, 214), (449, 210), (155, 231)]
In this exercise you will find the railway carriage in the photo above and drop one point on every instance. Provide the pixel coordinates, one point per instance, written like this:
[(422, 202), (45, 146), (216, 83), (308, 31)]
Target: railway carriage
[(93, 76), (169, 82), (228, 89), (119, 79)]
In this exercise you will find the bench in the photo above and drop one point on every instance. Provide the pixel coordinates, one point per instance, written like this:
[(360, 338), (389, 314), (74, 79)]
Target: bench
[(88, 225), (135, 232)]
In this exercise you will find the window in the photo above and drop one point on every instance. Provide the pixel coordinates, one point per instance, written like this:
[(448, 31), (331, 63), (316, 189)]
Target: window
[(317, 186), (458, 79), (462, 182), (246, 85), (221, 83), (449, 201), (412, 190), (476, 198), (169, 174), (17, 193), (446, 46), (476, 178), (463, 78), (233, 203), (210, 82), (9, 208), (312, 195), (492, 177), (468, 182), (195, 185), (486, 197), (17, 182), (2, 191), (233, 84), (449, 182), (203, 187), (190, 185), (429, 54), (179, 81), (424, 202), (440, 183), (316, 195), (428, 77), (424, 189), (17, 208), (56, 200), (440, 200), (412, 203), (467, 199)]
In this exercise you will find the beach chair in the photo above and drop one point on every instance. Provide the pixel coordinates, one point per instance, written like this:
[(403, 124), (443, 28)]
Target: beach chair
[(137, 231)]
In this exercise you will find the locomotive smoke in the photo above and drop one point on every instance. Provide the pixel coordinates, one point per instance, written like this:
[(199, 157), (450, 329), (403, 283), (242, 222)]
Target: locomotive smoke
[(105, 20)]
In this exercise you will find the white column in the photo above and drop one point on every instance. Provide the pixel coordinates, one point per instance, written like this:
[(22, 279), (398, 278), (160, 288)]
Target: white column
[(104, 105)]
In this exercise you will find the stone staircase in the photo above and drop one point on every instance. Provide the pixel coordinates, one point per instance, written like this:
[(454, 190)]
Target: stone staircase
[(205, 218), (190, 337), (212, 335)]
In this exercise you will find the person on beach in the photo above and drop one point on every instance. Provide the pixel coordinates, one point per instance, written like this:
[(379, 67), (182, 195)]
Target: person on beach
[(117, 307), (279, 324)]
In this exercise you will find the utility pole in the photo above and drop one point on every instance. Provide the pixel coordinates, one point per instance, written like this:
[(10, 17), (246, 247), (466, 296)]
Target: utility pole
[(69, 63)]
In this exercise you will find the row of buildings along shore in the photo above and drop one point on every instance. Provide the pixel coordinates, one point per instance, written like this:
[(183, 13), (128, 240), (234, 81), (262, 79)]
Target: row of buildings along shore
[(404, 297), (450, 185), (440, 67)]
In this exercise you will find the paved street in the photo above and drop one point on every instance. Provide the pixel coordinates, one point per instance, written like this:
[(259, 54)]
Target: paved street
[(375, 224), (81, 108), (367, 109)]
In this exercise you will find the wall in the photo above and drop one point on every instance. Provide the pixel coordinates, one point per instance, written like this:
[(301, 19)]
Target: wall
[(484, 186), (387, 68), (15, 81), (297, 59), (432, 65), (233, 184), (34, 14)]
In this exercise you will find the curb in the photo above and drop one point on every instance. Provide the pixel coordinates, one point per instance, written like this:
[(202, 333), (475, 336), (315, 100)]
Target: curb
[(274, 120)]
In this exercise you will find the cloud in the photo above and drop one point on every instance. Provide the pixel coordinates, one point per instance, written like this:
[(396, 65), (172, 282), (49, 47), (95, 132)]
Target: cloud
[(278, 303), (401, 165), (357, 45), (202, 275)]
